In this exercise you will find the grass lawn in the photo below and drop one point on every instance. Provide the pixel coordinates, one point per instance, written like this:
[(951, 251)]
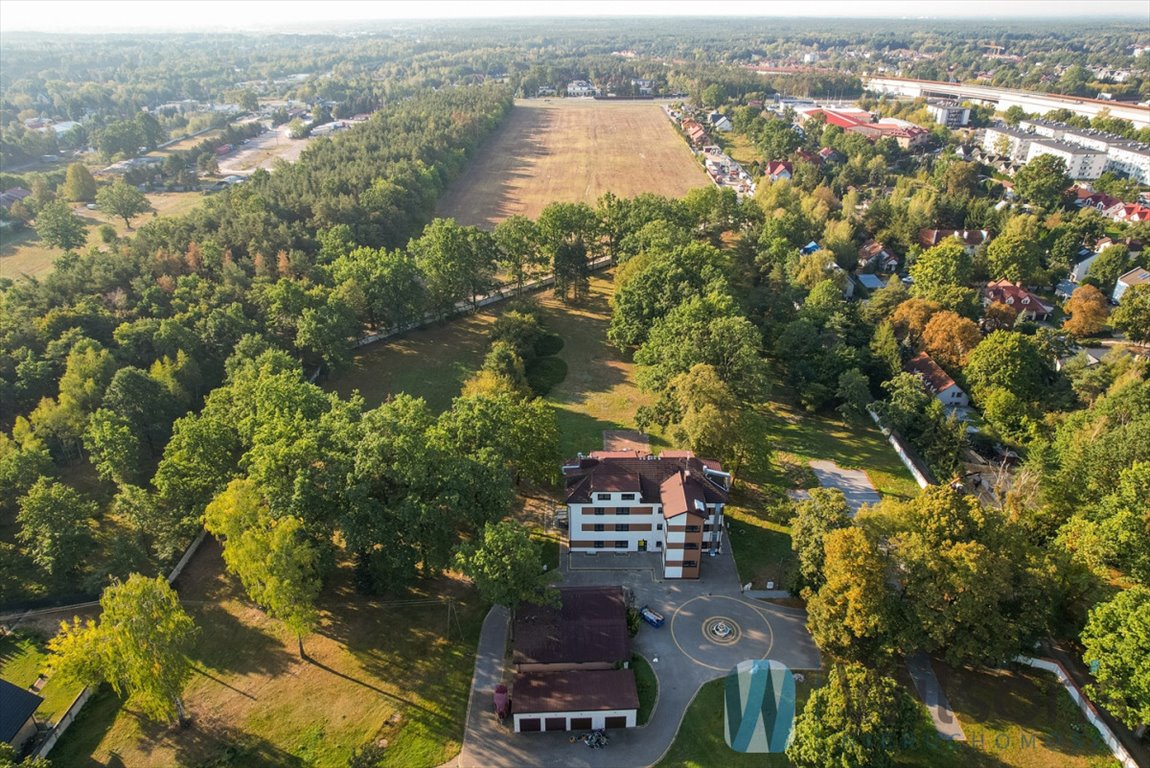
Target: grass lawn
[(23, 253), (647, 685), (22, 660), (762, 549), (741, 149), (379, 670), (1014, 718), (700, 742), (598, 393)]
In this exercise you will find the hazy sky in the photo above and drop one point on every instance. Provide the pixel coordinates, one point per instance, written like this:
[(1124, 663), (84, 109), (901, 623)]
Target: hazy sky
[(127, 15)]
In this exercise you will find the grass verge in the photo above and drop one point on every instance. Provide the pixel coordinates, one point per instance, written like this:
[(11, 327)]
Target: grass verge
[(647, 686), (700, 742)]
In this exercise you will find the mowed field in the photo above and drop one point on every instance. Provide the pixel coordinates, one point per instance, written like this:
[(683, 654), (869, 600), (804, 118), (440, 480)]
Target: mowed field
[(571, 151)]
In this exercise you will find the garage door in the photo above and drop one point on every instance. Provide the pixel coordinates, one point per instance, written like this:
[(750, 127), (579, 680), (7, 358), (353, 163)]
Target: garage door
[(528, 724), (580, 723), (556, 724), (616, 722)]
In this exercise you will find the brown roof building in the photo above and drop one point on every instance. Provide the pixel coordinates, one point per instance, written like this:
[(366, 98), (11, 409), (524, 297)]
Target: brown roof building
[(574, 701), (633, 501), (938, 381), (587, 630)]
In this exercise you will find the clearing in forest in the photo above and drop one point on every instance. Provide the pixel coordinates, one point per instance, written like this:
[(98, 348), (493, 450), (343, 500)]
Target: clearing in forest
[(571, 151)]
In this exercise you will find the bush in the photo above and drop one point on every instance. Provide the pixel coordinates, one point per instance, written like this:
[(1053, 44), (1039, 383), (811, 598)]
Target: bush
[(548, 344), (545, 373)]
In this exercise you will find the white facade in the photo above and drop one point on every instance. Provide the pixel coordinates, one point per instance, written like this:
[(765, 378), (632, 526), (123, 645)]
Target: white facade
[(1136, 276), (568, 721), (581, 88), (1078, 271), (1081, 163), (1017, 142), (1124, 156), (950, 115), (953, 397)]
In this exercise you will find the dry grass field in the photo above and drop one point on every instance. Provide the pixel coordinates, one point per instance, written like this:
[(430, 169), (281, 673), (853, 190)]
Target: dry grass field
[(571, 150), (22, 253)]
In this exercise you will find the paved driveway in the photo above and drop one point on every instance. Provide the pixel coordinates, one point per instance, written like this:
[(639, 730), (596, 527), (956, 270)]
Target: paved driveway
[(854, 483), (683, 654)]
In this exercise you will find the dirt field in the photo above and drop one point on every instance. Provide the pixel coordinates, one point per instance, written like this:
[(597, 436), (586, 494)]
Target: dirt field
[(262, 152), (571, 150)]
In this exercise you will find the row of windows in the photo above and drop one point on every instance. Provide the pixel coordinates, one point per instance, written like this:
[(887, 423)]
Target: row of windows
[(624, 527), (618, 544), (607, 496)]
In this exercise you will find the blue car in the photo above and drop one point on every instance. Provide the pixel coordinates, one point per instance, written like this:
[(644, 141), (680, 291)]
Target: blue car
[(654, 618)]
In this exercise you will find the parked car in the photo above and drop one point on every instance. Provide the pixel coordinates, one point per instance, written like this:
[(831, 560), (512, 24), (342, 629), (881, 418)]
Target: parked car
[(654, 618)]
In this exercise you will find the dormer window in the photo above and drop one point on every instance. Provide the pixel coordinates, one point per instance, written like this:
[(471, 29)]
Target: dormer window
[(603, 496)]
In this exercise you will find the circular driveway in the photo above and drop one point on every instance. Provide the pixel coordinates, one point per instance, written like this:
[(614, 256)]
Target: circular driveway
[(696, 630)]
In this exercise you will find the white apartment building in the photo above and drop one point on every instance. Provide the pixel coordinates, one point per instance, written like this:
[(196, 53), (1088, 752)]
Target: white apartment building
[(1081, 163), (1015, 141), (1130, 158), (949, 113), (632, 501)]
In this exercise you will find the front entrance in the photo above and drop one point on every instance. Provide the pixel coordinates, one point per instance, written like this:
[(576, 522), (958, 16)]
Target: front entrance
[(642, 545)]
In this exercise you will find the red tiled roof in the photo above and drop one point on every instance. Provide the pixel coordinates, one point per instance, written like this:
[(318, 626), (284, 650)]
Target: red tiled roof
[(1016, 297), (776, 167), (936, 379), (575, 691)]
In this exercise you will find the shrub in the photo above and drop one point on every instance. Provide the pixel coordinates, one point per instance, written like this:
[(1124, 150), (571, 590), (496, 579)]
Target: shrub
[(545, 373), (548, 344)]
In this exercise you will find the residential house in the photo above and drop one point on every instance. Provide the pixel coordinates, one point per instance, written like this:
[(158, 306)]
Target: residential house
[(631, 501), (870, 282), (1131, 212), (720, 122), (1099, 201), (643, 87), (1082, 261), (1017, 298), (571, 661), (873, 254), (779, 169), (938, 381), (830, 155), (808, 157), (13, 195), (17, 715), (1136, 276), (581, 88), (970, 238), (696, 133)]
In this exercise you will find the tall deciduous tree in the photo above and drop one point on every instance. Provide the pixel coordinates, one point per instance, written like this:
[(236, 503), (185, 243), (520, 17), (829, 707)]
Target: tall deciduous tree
[(850, 615), (123, 200), (1010, 361), (1014, 254), (278, 566), (79, 186), (1117, 639), (1088, 310), (140, 645), (1132, 316), (59, 228), (940, 272), (1042, 181), (949, 338), (55, 525), (519, 249), (826, 510), (859, 719), (506, 566)]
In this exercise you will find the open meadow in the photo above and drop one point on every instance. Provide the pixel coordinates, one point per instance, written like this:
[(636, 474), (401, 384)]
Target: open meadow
[(571, 151), (394, 671), (23, 253)]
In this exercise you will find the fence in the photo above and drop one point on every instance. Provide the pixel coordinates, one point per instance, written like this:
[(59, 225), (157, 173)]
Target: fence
[(65, 721), (78, 703), (1084, 704), (501, 293), (917, 467)]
